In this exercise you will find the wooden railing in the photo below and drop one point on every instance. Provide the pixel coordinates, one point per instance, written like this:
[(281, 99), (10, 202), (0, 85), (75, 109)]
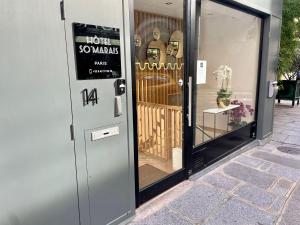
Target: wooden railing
[(159, 129)]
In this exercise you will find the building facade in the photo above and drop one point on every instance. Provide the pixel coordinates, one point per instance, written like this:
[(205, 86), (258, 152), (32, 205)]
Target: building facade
[(106, 104)]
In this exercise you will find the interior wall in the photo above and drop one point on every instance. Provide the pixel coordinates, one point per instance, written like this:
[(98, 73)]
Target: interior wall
[(272, 10), (144, 24), (159, 86), (158, 94), (228, 37)]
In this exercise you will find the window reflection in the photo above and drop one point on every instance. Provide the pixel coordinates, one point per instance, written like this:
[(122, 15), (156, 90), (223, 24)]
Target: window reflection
[(159, 80), (227, 70)]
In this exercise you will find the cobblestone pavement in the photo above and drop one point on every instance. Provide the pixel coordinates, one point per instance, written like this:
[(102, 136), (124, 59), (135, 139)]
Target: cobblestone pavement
[(259, 187)]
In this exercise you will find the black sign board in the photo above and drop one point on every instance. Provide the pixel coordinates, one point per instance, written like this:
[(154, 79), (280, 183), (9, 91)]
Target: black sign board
[(97, 52)]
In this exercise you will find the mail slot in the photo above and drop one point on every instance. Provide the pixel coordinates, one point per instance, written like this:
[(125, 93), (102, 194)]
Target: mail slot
[(108, 132)]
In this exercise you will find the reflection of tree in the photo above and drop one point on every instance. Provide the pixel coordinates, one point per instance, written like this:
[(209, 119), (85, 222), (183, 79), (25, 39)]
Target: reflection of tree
[(295, 67), (289, 39)]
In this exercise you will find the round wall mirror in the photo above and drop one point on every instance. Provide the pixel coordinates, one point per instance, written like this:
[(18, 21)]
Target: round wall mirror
[(175, 46), (156, 51)]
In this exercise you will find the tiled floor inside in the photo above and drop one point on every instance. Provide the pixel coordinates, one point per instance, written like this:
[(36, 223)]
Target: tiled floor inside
[(259, 187), (164, 165)]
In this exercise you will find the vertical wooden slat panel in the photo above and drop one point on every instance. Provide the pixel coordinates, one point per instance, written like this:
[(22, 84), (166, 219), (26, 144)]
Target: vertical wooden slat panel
[(158, 132), (151, 129), (173, 128), (177, 127), (163, 138), (143, 124), (155, 131), (139, 122), (180, 129), (146, 128), (159, 123)]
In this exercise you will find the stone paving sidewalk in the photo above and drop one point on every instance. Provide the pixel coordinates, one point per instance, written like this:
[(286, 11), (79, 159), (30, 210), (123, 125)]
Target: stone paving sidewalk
[(259, 187)]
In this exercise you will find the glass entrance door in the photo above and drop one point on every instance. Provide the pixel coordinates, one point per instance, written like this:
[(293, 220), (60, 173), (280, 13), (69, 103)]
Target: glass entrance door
[(225, 80), (159, 82)]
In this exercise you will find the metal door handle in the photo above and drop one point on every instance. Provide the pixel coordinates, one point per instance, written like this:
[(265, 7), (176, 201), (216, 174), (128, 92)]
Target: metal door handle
[(118, 106), (190, 102), (180, 82)]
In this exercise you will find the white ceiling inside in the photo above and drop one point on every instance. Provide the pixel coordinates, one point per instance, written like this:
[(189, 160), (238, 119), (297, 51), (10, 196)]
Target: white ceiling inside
[(173, 8)]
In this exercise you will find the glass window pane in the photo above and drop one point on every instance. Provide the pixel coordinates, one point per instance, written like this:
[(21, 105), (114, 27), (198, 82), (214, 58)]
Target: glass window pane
[(227, 70), (159, 87)]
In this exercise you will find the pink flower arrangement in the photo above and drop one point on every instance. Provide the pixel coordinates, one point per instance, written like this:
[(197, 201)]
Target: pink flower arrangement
[(237, 114)]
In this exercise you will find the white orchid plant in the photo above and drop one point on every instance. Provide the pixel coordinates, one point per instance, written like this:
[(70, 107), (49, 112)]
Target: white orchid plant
[(223, 74)]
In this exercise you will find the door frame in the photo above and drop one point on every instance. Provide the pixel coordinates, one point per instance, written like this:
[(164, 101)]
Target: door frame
[(158, 187), (250, 128), (189, 101)]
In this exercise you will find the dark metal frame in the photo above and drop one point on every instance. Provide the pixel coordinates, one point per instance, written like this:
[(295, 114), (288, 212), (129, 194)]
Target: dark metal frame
[(248, 132), (178, 176), (134, 105), (220, 145)]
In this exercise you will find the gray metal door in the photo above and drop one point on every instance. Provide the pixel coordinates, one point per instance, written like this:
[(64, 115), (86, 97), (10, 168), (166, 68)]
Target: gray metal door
[(100, 126), (37, 172)]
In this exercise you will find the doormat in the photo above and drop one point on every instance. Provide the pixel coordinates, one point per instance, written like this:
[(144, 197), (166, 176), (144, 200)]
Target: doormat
[(289, 150), (149, 174)]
